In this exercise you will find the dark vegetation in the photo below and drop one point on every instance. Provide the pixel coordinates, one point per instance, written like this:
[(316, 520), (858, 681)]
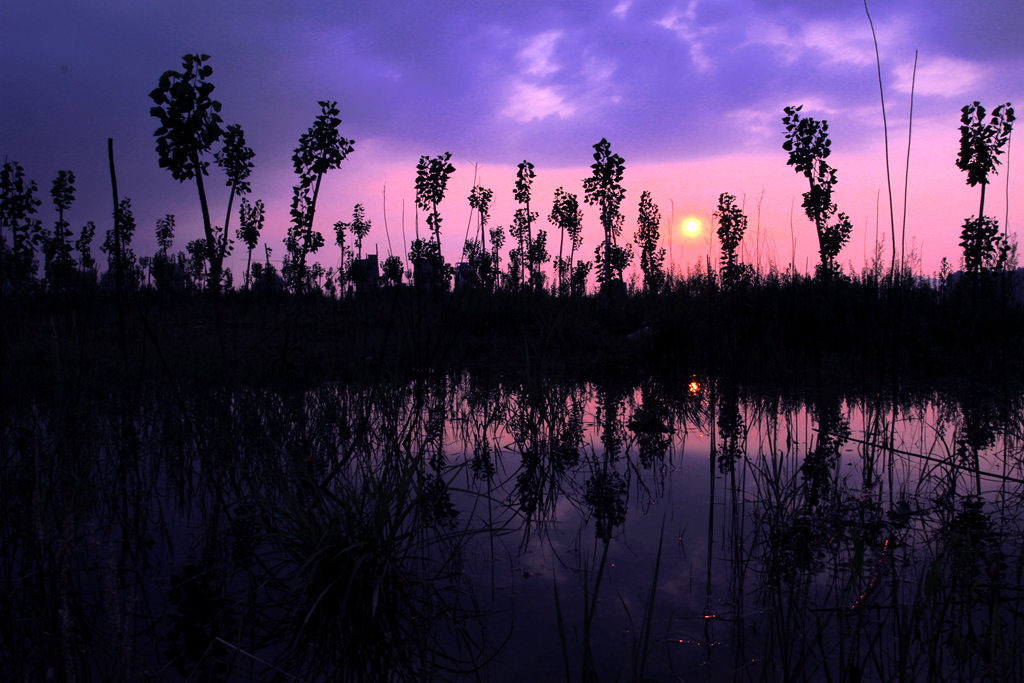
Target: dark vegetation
[(316, 474)]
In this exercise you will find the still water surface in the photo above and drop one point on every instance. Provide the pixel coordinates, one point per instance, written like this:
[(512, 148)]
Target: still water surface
[(459, 530)]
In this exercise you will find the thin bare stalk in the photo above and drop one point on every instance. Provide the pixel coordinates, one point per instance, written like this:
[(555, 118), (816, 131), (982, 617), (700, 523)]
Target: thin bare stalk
[(885, 129), (384, 200), (906, 177), (1006, 221)]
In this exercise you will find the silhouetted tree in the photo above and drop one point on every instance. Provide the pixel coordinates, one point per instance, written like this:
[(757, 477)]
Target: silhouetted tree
[(18, 202), (189, 126), (431, 181), (392, 271), (538, 255), (198, 256), (165, 233), (567, 215), (250, 219), (480, 199), (340, 228), (808, 145), (981, 144), (161, 266), (481, 260), (652, 259), (321, 148), (731, 226), (235, 159), (985, 249), (83, 245), (522, 224), (497, 242), (604, 189), (118, 247), (360, 228), (59, 264)]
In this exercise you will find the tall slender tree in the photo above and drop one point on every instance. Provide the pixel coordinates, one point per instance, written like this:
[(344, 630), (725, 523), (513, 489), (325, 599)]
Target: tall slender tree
[(652, 259), (122, 264), (235, 159), (83, 245), (732, 223), (431, 182), (190, 124), (250, 220), (18, 204), (981, 143), (523, 219), (808, 145), (567, 215), (604, 189), (321, 149), (479, 258), (59, 263)]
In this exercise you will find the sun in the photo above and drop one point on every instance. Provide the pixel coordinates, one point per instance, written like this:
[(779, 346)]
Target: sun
[(691, 226)]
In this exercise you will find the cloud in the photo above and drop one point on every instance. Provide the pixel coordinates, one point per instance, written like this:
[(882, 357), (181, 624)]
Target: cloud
[(939, 76), (763, 121), (621, 9), (683, 22), (838, 42), (528, 102), (538, 54)]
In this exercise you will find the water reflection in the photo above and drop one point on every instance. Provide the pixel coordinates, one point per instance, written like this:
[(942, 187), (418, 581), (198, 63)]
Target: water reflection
[(454, 527)]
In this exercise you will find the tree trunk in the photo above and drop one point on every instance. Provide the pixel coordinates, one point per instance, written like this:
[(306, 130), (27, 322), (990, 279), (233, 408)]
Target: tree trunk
[(227, 219), (213, 282)]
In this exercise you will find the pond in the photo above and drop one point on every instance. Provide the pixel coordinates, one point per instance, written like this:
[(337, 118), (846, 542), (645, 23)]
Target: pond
[(454, 528)]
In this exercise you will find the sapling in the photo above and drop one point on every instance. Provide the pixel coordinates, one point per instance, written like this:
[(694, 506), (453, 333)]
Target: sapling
[(18, 202), (235, 159), (567, 215), (604, 189), (160, 265), (479, 258), (250, 219), (522, 228), (59, 264), (83, 245), (981, 144), (652, 259), (732, 223), (808, 145), (321, 148), (431, 181), (189, 126), (122, 264)]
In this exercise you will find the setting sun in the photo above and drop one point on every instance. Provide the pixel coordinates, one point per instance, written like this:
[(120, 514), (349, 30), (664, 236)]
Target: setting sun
[(691, 226)]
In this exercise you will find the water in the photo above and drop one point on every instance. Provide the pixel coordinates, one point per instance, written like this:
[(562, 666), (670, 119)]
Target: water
[(458, 529)]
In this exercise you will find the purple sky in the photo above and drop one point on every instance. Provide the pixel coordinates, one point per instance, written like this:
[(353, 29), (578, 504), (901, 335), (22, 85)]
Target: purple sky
[(689, 93)]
